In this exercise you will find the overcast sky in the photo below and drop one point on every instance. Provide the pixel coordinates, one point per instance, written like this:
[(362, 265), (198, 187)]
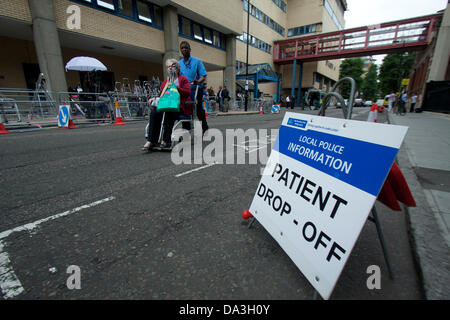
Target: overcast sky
[(370, 12)]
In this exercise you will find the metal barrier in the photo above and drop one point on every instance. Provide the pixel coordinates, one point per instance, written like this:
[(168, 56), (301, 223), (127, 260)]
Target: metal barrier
[(212, 106), (88, 105), (252, 105), (27, 106)]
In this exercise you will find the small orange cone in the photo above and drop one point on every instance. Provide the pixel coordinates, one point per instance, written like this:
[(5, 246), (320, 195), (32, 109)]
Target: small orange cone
[(246, 215), (261, 110), (119, 120), (373, 113), (72, 125), (3, 129), (205, 108)]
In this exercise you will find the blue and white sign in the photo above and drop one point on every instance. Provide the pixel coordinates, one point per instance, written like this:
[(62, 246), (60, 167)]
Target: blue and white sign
[(319, 185), (276, 108), (63, 116)]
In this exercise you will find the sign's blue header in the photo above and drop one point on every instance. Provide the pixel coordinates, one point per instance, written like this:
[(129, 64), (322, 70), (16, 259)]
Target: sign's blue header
[(346, 159)]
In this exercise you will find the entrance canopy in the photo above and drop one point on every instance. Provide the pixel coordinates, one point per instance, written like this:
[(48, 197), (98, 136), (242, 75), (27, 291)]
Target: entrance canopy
[(259, 73)]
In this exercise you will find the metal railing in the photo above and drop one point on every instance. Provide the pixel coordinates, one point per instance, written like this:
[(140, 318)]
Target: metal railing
[(387, 37), (24, 105)]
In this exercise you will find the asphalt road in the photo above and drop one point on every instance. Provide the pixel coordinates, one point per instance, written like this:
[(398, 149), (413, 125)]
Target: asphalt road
[(160, 231)]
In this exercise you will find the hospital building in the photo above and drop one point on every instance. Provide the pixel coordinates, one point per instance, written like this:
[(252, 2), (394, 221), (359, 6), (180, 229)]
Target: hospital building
[(133, 38)]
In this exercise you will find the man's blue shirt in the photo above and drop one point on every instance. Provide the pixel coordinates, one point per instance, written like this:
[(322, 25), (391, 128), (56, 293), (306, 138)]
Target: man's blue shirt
[(193, 69)]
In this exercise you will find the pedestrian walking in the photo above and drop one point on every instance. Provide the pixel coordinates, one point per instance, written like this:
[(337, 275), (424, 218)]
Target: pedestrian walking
[(195, 71), (220, 99), (226, 98), (391, 101), (413, 102)]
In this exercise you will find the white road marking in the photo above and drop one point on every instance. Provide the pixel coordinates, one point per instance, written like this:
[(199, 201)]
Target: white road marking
[(196, 169), (10, 285)]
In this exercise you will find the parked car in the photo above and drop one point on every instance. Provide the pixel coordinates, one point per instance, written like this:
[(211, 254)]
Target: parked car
[(358, 103), (368, 103)]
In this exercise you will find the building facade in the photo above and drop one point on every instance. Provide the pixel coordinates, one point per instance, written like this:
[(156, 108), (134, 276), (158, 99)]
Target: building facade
[(134, 37)]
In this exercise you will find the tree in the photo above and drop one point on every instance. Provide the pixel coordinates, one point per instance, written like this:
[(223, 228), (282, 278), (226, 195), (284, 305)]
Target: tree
[(370, 86), (353, 68), (395, 67)]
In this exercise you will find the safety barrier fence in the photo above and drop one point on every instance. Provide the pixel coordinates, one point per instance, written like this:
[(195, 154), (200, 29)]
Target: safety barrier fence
[(23, 107), (252, 105), (27, 106)]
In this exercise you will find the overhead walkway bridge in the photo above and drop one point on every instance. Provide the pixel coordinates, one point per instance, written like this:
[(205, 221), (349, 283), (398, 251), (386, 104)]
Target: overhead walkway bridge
[(397, 36), (390, 37)]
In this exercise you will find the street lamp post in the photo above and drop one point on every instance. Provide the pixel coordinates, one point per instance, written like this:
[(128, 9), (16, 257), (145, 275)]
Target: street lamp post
[(246, 64)]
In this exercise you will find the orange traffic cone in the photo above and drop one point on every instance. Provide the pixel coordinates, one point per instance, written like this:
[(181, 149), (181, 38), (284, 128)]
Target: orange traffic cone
[(3, 129), (119, 120), (261, 110), (205, 108), (70, 126), (373, 113)]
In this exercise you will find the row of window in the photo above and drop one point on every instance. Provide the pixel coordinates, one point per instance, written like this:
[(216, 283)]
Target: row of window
[(195, 31), (255, 42), (281, 4), (261, 16), (331, 13), (137, 10), (144, 12), (316, 27)]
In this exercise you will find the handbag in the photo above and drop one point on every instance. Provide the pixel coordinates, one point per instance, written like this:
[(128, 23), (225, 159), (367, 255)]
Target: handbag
[(170, 100)]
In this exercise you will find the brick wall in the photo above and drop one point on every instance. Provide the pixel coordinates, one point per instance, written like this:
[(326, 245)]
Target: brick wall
[(17, 9)]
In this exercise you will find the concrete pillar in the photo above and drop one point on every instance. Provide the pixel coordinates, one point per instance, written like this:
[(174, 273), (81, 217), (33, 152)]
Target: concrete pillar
[(229, 74), (172, 50), (299, 90), (46, 42), (294, 71), (441, 54)]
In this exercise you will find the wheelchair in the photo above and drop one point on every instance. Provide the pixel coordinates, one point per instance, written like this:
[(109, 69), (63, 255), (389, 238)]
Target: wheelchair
[(175, 137)]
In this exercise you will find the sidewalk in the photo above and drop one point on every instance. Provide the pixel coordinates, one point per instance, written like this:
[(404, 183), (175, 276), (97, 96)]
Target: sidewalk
[(425, 162)]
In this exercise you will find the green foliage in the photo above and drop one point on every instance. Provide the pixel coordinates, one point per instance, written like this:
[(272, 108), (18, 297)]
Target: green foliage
[(370, 86), (353, 68), (395, 67)]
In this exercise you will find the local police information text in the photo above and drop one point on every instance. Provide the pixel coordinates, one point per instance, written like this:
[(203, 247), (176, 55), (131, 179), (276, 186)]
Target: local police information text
[(325, 159)]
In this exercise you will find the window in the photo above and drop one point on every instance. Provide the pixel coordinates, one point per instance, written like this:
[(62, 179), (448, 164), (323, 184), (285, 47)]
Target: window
[(141, 11), (331, 13), (126, 7), (157, 16), (185, 26), (216, 38), (108, 4), (255, 42), (261, 16), (317, 27), (208, 35), (144, 12), (198, 32), (281, 4)]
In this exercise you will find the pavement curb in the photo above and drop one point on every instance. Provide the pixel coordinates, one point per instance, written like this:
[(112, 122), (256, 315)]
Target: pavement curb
[(238, 113), (429, 246)]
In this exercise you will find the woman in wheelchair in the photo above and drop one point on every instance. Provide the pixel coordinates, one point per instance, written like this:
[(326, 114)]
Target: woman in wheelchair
[(154, 127)]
